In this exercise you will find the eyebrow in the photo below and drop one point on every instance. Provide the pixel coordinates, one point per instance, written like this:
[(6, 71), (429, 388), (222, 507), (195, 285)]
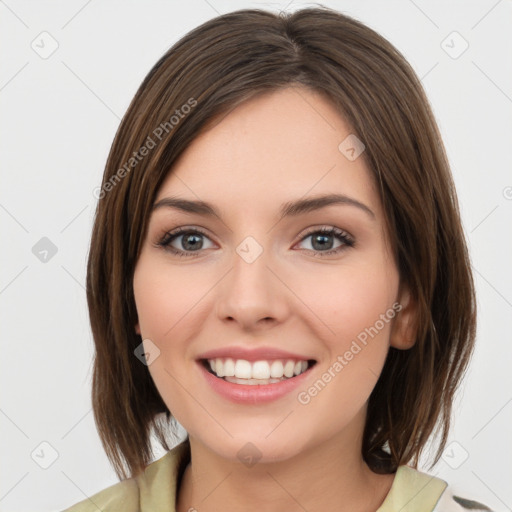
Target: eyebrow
[(289, 209)]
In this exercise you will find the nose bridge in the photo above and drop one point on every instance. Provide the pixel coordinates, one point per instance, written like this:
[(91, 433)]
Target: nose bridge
[(251, 291), (250, 276)]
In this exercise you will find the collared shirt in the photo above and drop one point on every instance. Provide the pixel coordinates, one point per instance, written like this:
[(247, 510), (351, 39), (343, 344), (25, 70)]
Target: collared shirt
[(155, 490)]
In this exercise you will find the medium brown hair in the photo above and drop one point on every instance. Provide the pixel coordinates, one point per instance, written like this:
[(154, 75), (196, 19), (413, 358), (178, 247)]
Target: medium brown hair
[(215, 67)]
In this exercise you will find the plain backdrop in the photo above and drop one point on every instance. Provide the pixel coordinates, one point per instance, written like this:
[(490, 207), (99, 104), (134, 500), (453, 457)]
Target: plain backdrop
[(68, 72)]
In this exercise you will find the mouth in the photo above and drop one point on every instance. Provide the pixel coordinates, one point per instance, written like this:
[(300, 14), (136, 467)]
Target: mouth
[(263, 372)]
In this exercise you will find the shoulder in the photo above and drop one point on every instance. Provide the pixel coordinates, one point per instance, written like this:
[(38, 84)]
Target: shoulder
[(121, 496), (154, 489), (416, 491)]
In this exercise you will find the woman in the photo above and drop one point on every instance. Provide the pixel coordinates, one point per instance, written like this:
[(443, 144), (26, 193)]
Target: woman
[(273, 264)]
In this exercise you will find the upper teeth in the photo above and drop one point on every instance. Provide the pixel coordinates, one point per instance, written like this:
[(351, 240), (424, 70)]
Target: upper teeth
[(243, 369)]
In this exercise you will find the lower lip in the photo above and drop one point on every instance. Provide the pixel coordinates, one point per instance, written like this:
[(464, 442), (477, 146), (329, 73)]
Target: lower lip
[(253, 394)]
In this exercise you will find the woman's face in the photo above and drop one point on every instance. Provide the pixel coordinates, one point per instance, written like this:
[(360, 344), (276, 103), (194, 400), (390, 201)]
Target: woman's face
[(253, 279)]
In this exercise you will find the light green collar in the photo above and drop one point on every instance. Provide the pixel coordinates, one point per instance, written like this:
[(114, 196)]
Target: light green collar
[(413, 491)]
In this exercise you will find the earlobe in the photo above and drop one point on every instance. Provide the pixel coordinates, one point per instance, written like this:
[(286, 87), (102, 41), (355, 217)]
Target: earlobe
[(137, 328), (403, 331)]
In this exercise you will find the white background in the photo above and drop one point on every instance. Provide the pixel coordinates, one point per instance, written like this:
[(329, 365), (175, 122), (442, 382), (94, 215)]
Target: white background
[(59, 117)]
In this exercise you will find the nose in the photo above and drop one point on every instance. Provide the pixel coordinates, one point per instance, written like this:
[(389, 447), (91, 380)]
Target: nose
[(252, 294)]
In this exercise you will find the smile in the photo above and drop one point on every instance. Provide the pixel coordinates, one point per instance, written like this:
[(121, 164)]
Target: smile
[(254, 382), (241, 371)]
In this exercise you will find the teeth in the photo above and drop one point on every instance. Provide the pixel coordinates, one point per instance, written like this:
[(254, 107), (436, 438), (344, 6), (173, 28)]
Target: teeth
[(288, 368), (276, 369), (262, 371), (253, 382), (243, 369), (229, 368)]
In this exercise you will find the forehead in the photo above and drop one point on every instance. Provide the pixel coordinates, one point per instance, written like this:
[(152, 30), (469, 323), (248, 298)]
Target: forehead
[(277, 147)]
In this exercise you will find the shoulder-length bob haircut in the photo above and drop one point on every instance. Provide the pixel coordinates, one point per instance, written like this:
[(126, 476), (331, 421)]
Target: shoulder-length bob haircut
[(212, 69)]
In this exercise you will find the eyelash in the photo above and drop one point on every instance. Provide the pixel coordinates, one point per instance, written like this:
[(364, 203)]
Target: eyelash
[(341, 235)]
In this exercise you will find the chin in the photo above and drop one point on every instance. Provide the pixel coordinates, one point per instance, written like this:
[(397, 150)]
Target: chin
[(250, 448)]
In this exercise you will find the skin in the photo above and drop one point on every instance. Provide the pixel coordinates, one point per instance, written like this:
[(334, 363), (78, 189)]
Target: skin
[(276, 148)]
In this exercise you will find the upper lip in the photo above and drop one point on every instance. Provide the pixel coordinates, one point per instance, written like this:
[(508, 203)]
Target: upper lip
[(252, 354)]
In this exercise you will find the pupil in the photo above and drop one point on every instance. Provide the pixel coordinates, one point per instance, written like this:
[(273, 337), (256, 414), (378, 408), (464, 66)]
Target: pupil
[(322, 245), (193, 245)]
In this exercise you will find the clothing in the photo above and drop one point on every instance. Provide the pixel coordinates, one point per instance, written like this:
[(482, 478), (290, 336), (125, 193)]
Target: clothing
[(155, 490)]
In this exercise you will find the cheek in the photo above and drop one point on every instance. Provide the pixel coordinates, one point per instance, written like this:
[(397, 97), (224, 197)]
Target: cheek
[(164, 296), (354, 357), (165, 299), (350, 299), (357, 305)]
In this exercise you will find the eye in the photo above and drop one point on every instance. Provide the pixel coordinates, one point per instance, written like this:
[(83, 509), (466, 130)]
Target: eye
[(320, 242), (191, 241)]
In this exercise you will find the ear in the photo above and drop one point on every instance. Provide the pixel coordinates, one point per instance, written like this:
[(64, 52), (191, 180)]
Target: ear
[(137, 328), (403, 331)]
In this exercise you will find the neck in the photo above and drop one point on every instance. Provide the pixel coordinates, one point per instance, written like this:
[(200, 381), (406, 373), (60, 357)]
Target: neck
[(329, 476)]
